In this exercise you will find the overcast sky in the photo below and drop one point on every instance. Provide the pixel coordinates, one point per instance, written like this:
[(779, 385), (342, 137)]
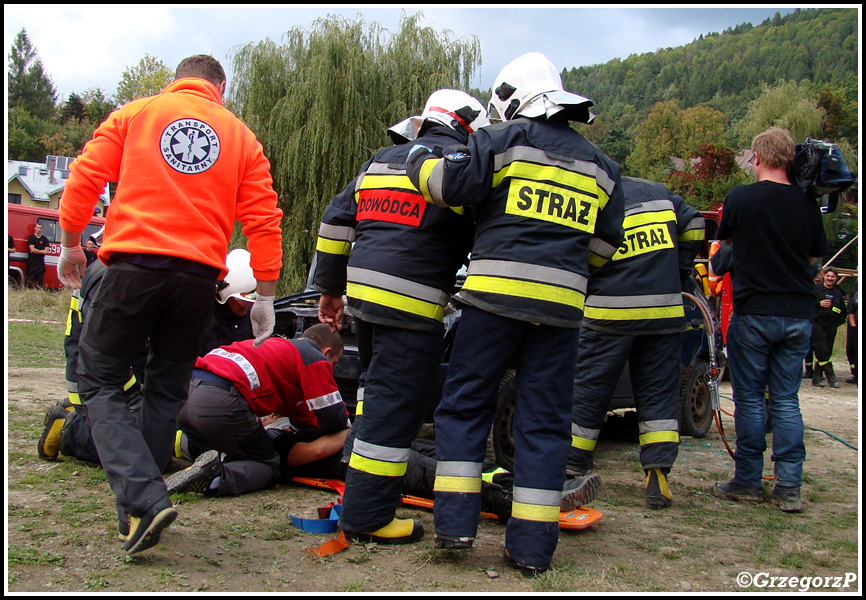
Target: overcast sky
[(89, 45)]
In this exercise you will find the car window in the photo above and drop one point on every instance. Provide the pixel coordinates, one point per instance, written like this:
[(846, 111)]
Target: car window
[(50, 229)]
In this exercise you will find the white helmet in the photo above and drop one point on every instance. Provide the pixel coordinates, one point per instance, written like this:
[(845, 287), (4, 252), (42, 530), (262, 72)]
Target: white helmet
[(451, 108), (530, 86), (240, 279)]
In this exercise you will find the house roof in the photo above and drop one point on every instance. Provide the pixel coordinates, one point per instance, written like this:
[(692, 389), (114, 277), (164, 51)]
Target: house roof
[(36, 180)]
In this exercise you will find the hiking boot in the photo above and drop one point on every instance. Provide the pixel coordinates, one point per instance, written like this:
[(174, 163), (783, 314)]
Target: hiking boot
[(831, 376), (49, 443), (818, 376), (444, 542), (398, 531), (144, 531), (197, 477), (656, 492), (526, 571), (787, 498), (852, 379), (738, 493), (579, 491)]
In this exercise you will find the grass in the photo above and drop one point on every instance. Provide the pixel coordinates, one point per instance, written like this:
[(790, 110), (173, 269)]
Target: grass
[(37, 344)]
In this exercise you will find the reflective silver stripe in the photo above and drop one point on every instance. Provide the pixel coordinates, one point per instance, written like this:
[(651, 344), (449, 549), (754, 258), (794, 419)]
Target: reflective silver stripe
[(434, 184), (245, 365), (584, 432), (324, 401), (601, 248), (660, 425), (360, 395), (537, 496), (458, 468), (72, 386), (528, 272), (381, 453), (398, 285), (634, 301), (377, 168), (335, 232), (538, 156), (650, 206), (696, 223)]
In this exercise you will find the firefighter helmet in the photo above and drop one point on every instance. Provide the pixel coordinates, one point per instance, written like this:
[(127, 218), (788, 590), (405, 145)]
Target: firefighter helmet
[(240, 279), (530, 86), (452, 108)]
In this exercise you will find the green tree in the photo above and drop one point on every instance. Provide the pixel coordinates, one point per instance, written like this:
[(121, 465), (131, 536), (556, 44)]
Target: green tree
[(30, 87), (656, 142), (73, 109), (706, 176), (321, 103), (147, 78), (97, 104), (25, 135), (699, 125), (788, 105)]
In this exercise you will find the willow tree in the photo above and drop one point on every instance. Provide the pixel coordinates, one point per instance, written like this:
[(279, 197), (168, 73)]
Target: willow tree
[(321, 101)]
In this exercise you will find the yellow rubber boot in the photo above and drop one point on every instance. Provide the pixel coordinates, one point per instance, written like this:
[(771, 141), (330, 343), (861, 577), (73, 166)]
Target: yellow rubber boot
[(398, 531)]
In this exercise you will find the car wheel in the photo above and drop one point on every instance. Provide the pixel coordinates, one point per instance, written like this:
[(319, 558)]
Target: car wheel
[(503, 423), (696, 403)]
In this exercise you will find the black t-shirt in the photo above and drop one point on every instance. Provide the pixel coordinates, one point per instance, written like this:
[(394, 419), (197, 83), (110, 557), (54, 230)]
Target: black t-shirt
[(775, 229), (40, 243)]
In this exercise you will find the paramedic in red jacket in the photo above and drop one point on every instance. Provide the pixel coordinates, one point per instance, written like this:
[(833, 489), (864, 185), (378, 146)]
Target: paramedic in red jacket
[(186, 168), (234, 386)]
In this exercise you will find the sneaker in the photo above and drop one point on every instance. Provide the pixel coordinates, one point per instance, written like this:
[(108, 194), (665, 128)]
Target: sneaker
[(738, 493), (656, 491), (787, 499), (49, 443), (526, 570), (579, 491), (398, 531), (197, 477), (144, 531), (444, 542)]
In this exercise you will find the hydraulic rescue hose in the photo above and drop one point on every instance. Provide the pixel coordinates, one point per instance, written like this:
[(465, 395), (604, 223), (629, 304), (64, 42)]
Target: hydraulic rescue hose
[(713, 367)]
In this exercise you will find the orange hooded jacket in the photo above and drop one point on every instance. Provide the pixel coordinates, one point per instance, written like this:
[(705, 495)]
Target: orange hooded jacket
[(186, 168)]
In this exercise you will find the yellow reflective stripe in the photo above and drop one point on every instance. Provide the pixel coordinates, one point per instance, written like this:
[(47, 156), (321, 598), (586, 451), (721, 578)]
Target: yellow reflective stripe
[(535, 512), (463, 485), (826, 362), (647, 218), (74, 398), (129, 383), (73, 308), (424, 178), (377, 467), (359, 408), (333, 246), (657, 437), (372, 181), (836, 309), (556, 175), (582, 443), (692, 235), (178, 451), (630, 314), (597, 261), (524, 289), (394, 300)]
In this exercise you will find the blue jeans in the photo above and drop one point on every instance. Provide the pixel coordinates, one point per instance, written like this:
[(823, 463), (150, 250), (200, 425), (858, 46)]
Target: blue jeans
[(767, 352)]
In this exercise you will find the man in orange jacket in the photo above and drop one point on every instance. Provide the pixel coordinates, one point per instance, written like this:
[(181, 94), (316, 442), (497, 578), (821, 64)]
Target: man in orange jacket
[(186, 168)]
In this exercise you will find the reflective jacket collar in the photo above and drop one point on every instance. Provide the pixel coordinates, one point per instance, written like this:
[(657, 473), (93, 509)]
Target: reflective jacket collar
[(196, 86)]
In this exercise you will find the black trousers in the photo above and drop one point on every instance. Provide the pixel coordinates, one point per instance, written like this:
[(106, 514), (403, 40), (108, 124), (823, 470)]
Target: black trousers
[(169, 311)]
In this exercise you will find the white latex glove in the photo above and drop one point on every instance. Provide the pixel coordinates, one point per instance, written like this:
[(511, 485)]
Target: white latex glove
[(263, 319), (70, 266)]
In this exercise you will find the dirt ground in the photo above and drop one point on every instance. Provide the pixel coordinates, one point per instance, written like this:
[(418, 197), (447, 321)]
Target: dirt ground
[(61, 531)]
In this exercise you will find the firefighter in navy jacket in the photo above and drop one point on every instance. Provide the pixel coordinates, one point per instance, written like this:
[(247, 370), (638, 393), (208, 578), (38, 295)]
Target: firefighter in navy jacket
[(396, 257), (634, 312), (544, 198)]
